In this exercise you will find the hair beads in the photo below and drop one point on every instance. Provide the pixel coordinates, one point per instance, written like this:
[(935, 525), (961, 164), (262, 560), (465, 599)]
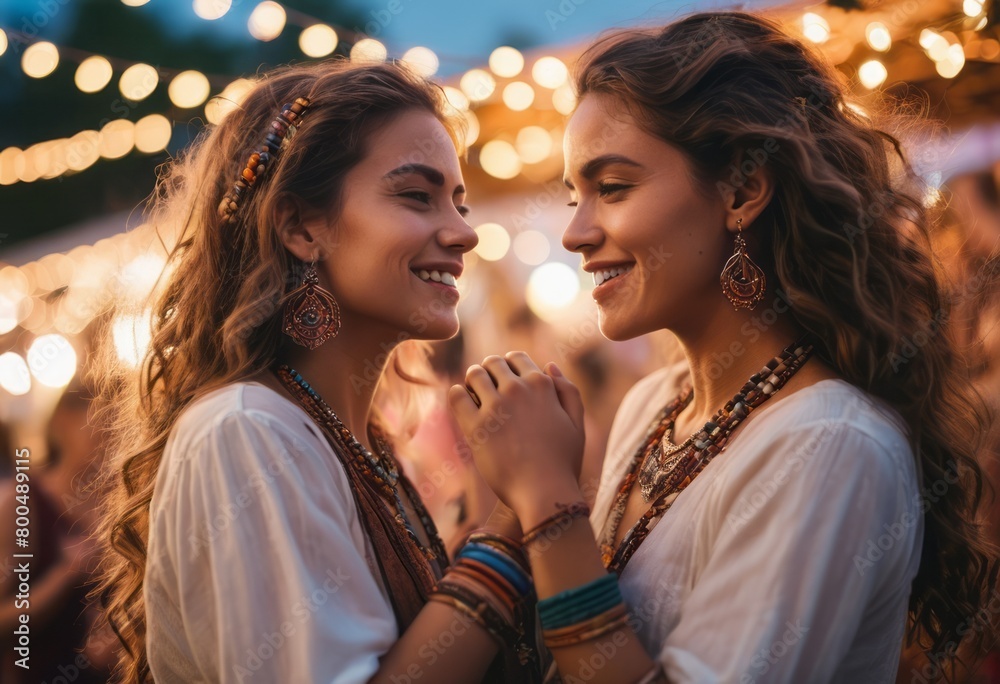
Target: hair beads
[(283, 126)]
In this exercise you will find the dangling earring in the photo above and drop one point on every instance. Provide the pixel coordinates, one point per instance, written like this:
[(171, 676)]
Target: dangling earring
[(312, 315), (743, 281)]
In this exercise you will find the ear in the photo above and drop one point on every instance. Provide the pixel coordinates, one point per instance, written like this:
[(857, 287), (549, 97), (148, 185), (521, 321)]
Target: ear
[(302, 235), (750, 199)]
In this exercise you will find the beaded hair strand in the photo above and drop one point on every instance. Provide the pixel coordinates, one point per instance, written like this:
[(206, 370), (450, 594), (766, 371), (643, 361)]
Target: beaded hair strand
[(282, 128)]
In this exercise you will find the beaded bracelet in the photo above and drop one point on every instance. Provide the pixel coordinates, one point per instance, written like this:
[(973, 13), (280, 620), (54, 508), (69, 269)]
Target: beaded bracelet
[(500, 563), (580, 603), (611, 621), (567, 513), (283, 126), (479, 609), (509, 547)]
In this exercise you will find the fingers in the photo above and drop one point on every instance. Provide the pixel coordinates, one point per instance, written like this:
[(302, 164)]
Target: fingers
[(499, 370), (462, 405), (569, 395), (480, 384), (521, 363)]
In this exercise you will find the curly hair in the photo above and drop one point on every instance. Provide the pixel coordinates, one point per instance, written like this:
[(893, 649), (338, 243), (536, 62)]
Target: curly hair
[(217, 316), (847, 235)]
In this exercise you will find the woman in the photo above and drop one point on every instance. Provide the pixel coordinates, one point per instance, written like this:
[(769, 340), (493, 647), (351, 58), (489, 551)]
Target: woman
[(261, 527), (725, 190)]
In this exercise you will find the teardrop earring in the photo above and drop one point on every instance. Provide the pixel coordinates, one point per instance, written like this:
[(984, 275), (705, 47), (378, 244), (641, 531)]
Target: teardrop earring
[(312, 315), (743, 281)]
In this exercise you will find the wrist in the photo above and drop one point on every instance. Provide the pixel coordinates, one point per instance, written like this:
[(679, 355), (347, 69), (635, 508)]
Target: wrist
[(534, 508)]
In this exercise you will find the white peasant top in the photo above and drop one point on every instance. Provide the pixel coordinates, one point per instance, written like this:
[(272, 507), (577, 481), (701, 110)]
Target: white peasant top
[(790, 557), (258, 569)]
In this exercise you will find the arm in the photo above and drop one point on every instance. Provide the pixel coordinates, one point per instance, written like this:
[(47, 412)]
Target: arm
[(259, 528), (545, 418)]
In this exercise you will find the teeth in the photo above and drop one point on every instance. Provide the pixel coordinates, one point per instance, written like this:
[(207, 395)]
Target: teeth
[(437, 277), (604, 276)]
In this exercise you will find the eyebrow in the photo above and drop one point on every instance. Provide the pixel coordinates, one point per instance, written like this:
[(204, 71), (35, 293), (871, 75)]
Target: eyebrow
[(594, 166), (429, 172)]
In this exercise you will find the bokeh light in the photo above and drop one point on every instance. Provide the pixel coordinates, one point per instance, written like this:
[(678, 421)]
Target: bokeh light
[(506, 62), (138, 82), (212, 9), (872, 74), (533, 144), (152, 133), (131, 336), (267, 21), (551, 288), (549, 72), (518, 95), (229, 99), (14, 375), (815, 27), (368, 51), (878, 36), (422, 60), (532, 247), (117, 139), (52, 360), (40, 59), (189, 89), (318, 40), (93, 74), (494, 241), (499, 159), (477, 84)]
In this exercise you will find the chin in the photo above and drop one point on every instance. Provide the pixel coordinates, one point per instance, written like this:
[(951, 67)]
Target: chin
[(616, 329), (437, 329)]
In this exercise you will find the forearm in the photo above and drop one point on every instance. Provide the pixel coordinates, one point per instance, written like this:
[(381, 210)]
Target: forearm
[(566, 558), (441, 645)]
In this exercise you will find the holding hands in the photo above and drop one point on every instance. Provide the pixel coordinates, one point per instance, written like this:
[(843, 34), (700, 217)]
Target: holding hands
[(525, 428)]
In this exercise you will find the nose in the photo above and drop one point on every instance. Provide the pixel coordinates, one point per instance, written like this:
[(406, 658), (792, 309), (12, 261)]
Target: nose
[(583, 233), (457, 234)]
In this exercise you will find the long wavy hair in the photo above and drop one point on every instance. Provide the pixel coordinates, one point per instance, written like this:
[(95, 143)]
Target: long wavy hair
[(847, 235), (217, 315)]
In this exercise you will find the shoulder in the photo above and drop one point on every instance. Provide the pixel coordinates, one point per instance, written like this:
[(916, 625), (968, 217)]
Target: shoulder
[(832, 434), (238, 409)]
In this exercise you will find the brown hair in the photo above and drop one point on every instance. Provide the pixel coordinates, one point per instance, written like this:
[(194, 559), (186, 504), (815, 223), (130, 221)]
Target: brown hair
[(730, 89), (217, 319)]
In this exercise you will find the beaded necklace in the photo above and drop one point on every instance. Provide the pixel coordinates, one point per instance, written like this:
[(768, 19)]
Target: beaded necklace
[(666, 475), (383, 469)]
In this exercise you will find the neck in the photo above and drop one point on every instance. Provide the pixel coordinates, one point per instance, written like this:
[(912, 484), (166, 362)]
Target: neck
[(344, 372), (723, 354)]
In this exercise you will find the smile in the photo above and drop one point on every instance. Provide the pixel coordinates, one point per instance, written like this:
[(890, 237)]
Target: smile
[(442, 277), (606, 275)]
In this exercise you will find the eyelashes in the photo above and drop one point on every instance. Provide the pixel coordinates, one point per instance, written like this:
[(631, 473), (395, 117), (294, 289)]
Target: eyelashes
[(425, 198), (606, 190)]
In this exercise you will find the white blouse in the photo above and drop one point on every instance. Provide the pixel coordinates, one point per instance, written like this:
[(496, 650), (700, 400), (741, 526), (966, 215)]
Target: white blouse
[(790, 557), (258, 568)]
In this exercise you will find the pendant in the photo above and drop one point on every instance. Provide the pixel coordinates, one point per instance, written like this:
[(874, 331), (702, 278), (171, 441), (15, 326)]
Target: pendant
[(658, 466)]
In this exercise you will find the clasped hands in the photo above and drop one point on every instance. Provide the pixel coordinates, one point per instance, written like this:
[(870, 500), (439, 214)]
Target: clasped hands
[(524, 426)]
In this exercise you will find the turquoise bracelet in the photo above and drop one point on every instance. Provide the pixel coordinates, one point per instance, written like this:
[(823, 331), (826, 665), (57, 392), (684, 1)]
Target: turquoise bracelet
[(580, 603)]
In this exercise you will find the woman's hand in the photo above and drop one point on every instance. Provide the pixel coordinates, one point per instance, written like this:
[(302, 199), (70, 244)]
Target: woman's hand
[(525, 429)]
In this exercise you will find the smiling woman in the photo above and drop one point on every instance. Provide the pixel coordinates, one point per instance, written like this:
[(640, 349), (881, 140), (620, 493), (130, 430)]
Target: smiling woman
[(261, 525), (735, 536)]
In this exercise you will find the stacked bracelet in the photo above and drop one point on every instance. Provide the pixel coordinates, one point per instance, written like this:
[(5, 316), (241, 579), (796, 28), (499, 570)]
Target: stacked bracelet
[(490, 582), (583, 613), (567, 514)]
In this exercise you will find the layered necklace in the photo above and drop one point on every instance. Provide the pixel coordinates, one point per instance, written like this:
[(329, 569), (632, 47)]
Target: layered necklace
[(381, 470), (664, 469)]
